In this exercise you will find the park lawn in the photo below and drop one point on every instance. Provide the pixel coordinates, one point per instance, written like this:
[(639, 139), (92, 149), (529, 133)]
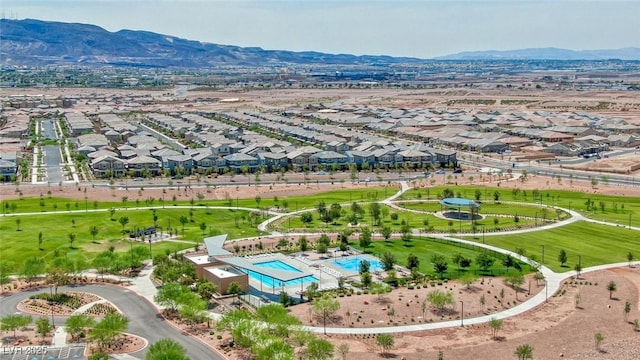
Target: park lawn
[(19, 245), (52, 204), (618, 209), (424, 248), (294, 203), (596, 244), (415, 221)]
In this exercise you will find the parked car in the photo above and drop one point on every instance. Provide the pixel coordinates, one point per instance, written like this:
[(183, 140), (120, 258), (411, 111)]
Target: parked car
[(457, 171), (440, 172)]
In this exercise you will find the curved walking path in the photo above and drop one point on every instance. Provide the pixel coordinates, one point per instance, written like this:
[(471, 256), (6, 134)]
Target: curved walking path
[(143, 286)]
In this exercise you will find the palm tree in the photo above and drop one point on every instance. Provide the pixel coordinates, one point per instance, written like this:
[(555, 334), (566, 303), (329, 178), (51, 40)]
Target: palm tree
[(524, 352)]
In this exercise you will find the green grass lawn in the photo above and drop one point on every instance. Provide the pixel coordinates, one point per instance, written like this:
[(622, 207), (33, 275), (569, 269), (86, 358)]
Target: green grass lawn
[(55, 228), (596, 244), (425, 248), (415, 221), (618, 209)]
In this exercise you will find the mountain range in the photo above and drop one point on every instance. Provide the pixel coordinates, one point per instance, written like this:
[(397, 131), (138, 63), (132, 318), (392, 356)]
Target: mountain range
[(35, 43)]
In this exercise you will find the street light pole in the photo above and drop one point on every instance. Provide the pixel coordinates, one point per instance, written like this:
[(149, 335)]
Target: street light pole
[(542, 254), (483, 235), (462, 314), (150, 253)]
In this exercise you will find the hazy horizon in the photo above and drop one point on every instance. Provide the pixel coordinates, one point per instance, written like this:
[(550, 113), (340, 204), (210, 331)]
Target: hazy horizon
[(422, 29)]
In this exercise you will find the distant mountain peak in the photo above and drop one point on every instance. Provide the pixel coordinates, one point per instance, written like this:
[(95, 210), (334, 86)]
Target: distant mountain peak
[(548, 53), (37, 42)]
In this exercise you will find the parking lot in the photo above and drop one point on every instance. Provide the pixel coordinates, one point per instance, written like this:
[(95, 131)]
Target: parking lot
[(41, 352)]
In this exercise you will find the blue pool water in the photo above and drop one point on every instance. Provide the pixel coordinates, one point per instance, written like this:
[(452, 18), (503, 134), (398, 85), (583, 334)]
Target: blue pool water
[(279, 265), (352, 264)]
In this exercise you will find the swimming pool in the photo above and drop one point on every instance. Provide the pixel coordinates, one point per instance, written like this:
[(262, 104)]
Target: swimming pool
[(352, 264), (278, 265)]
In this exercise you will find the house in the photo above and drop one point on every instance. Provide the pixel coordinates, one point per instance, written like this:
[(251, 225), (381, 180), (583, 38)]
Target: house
[(327, 159), (108, 166), (144, 164), (239, 161), (178, 164), (413, 158), (361, 157), (8, 170), (301, 157), (273, 161)]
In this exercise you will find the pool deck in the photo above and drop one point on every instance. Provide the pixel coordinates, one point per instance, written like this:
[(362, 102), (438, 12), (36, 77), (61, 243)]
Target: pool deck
[(327, 279)]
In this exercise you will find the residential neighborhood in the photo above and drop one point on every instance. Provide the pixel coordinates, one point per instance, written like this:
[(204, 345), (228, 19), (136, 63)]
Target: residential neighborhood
[(145, 142)]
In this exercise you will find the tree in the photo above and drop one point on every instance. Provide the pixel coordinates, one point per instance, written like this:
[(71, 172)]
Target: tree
[(440, 299), (108, 329), (18, 222), (364, 266), (578, 269), (14, 322), (72, 239), (320, 349), (496, 325), (388, 260), (312, 290), (303, 243), (515, 280), (192, 308), (325, 306), (374, 210), (123, 220), (343, 349), (524, 352), (6, 268), (365, 279), (385, 341), (183, 221), (630, 257), (43, 327), (439, 264), (611, 287), (169, 295), (234, 288), (93, 230), (386, 233), (306, 217), (32, 268), (484, 261), (508, 261), (166, 349), (77, 324), (496, 196), (627, 310), (413, 262), (232, 320), (365, 238), (206, 289), (599, 338), (468, 279), (40, 240), (562, 257)]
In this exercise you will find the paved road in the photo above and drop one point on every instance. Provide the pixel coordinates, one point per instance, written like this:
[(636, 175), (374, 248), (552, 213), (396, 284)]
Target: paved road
[(145, 321), (48, 129), (52, 160)]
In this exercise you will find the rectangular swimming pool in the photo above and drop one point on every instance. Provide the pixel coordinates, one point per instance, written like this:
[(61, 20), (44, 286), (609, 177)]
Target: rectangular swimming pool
[(278, 265), (352, 264)]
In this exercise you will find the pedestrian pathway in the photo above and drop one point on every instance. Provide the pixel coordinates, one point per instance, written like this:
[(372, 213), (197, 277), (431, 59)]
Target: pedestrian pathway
[(60, 336)]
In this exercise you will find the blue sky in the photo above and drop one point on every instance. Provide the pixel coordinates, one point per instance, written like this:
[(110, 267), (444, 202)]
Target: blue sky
[(419, 28)]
